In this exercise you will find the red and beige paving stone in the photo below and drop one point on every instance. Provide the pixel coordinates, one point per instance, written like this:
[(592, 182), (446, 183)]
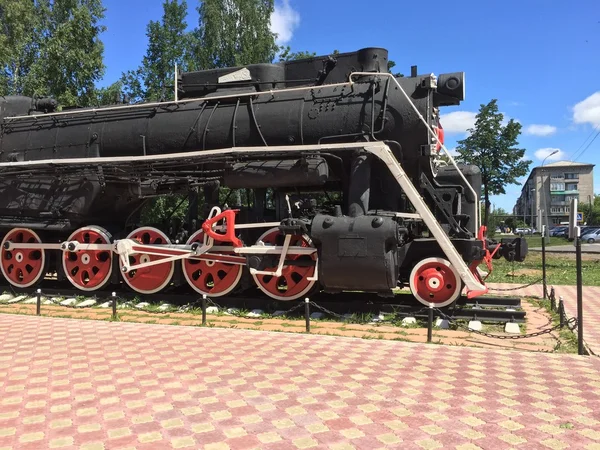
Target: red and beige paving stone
[(69, 384)]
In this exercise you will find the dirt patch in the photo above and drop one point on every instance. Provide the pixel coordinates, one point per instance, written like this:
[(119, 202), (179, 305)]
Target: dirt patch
[(537, 319)]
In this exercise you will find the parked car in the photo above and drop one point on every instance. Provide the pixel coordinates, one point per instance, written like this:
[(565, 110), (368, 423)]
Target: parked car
[(523, 230), (561, 231), (592, 237), (589, 230)]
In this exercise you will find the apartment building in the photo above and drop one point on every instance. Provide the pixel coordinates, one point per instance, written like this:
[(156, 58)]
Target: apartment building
[(552, 186)]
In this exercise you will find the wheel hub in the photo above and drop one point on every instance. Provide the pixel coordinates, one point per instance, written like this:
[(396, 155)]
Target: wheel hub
[(435, 281)]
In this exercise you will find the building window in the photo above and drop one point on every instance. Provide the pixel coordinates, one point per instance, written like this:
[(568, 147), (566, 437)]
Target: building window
[(557, 187), (572, 176), (555, 220), (568, 198), (571, 187)]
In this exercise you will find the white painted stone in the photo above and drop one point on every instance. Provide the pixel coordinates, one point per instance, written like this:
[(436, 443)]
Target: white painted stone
[(378, 318), (475, 325), (409, 320), (442, 323), (142, 305), (510, 309), (106, 304), (17, 299), (279, 313), (512, 327), (30, 300), (165, 306), (5, 297), (348, 316), (317, 315), (212, 310), (122, 305), (255, 313), (68, 302), (232, 312), (47, 302), (86, 303)]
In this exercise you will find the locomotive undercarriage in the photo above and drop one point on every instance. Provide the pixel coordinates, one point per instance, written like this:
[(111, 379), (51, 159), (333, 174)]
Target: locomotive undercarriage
[(372, 251)]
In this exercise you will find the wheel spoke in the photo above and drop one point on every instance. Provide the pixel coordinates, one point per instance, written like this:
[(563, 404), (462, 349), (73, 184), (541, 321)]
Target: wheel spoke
[(78, 266), (294, 280), (22, 267), (205, 276), (150, 279)]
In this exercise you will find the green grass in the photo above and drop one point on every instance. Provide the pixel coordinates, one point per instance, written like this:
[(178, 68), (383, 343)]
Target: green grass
[(560, 269), (536, 241)]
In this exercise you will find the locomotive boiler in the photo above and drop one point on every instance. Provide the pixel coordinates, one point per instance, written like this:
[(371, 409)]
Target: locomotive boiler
[(318, 174)]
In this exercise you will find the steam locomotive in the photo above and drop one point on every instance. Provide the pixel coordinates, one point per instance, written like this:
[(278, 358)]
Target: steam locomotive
[(321, 174)]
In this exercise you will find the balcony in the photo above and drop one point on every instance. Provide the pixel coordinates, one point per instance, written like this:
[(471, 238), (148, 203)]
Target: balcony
[(571, 191), (558, 203)]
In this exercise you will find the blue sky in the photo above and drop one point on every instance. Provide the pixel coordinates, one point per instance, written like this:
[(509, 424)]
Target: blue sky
[(539, 58)]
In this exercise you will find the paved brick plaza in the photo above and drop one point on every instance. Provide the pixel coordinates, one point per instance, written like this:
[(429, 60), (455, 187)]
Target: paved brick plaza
[(68, 383)]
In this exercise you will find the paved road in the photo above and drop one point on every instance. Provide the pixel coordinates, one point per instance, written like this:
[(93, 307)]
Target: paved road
[(570, 248), (85, 384)]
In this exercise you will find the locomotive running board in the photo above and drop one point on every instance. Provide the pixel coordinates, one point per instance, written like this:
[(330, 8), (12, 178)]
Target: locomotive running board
[(379, 149)]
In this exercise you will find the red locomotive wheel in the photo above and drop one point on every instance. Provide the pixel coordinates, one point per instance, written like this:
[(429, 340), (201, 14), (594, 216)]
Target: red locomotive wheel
[(89, 270), (150, 279), (294, 280), (211, 277), (434, 280), (22, 267)]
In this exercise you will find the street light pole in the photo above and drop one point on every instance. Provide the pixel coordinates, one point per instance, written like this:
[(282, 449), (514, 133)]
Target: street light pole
[(545, 235), (530, 197)]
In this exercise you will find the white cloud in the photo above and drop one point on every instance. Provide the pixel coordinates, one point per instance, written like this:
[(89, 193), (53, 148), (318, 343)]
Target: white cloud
[(284, 21), (588, 110), (458, 121), (540, 130), (544, 152), (453, 152)]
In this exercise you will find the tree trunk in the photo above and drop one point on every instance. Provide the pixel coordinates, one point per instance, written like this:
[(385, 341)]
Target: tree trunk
[(486, 212)]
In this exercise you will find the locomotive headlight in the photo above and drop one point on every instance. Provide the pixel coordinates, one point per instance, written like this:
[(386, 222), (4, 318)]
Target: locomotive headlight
[(450, 89)]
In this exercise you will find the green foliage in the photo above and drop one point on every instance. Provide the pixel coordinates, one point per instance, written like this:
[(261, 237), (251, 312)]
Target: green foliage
[(51, 48), (390, 66), (234, 32), (110, 95), (168, 44), (591, 213), (286, 54), (493, 148)]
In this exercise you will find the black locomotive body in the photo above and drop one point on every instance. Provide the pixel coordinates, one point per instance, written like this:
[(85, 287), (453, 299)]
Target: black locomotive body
[(84, 174)]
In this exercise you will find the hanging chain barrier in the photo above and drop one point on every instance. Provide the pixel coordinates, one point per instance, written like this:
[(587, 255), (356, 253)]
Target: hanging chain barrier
[(571, 323)]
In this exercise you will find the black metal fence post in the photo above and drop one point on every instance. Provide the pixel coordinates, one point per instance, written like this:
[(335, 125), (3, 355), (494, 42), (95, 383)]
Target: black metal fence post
[(579, 295), (114, 306), (561, 312), (430, 324), (38, 306), (307, 313), (544, 231), (552, 300), (203, 309)]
